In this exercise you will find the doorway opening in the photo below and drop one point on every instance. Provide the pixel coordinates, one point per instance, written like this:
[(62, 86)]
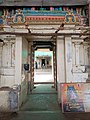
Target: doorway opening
[(43, 75), (43, 62)]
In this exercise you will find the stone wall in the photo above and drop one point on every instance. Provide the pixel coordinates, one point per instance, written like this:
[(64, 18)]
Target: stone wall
[(7, 63)]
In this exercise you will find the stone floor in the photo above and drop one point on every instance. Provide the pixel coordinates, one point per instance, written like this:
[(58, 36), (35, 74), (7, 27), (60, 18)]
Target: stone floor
[(43, 75), (42, 106)]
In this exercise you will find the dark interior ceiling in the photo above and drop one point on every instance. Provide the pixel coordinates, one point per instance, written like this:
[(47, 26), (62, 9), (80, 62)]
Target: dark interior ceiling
[(43, 44)]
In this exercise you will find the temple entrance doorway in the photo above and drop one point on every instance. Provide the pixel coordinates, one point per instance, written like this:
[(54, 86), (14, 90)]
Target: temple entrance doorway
[(43, 68)]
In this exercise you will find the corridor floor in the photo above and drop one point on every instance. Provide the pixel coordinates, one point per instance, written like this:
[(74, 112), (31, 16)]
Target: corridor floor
[(42, 106)]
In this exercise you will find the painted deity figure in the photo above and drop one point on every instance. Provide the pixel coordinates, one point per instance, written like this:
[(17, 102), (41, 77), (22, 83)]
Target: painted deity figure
[(70, 18), (71, 94), (19, 17)]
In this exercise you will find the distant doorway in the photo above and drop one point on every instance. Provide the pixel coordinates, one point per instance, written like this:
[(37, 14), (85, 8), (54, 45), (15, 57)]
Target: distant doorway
[(44, 57), (43, 62), (44, 71)]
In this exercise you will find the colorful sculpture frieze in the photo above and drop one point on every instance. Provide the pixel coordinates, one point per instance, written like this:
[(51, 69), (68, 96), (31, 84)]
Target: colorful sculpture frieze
[(19, 17), (57, 14), (70, 17)]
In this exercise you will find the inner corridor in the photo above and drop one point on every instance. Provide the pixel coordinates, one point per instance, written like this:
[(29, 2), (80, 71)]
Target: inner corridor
[(42, 106)]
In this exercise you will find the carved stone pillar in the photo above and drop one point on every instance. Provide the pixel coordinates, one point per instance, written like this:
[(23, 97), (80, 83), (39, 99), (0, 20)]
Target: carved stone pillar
[(77, 47), (68, 58)]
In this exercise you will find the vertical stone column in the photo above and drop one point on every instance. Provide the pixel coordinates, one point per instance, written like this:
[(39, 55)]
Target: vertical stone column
[(86, 52), (68, 58), (73, 55), (46, 63), (52, 65), (60, 65), (77, 47), (60, 60), (29, 61), (18, 59), (81, 54)]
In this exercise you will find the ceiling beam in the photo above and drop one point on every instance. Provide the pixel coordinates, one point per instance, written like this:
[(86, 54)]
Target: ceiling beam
[(42, 34)]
